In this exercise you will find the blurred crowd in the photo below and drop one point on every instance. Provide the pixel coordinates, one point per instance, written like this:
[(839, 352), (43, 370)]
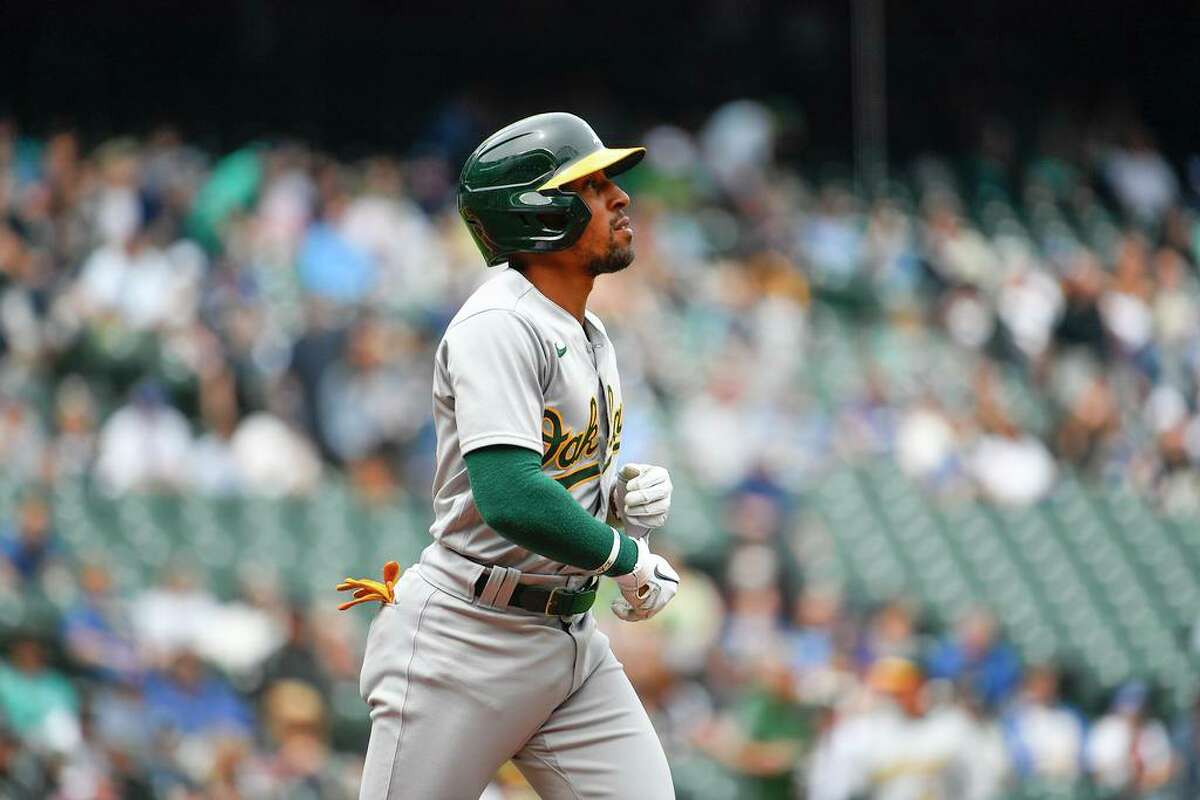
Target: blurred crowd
[(255, 324), (818, 700), (168, 691)]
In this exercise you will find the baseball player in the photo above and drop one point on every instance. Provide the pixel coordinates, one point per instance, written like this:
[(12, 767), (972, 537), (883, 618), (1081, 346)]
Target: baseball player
[(486, 651)]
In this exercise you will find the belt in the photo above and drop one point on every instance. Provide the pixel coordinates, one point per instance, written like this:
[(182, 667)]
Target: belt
[(558, 601)]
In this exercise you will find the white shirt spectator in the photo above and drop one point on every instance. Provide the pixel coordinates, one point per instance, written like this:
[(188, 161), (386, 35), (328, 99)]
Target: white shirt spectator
[(118, 213), (172, 617), (215, 471), (1029, 306), (1128, 318), (274, 459), (1046, 741), (238, 637), (925, 442), (831, 241), (1014, 471), (1118, 752), (718, 434), (144, 445), (885, 754), (141, 285), (402, 241)]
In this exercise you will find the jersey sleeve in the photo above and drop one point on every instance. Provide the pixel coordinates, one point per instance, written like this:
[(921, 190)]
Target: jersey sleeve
[(494, 363)]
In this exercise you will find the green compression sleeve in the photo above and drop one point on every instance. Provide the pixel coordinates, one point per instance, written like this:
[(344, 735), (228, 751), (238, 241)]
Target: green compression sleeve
[(527, 507)]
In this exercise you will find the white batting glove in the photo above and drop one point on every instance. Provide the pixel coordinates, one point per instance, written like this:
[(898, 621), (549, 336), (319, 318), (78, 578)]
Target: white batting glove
[(642, 496), (646, 590)]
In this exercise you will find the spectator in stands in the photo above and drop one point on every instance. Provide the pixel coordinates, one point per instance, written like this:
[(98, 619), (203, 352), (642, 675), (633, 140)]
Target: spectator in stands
[(330, 265), (1141, 178), (1011, 466), (74, 447), (927, 445), (1125, 306), (241, 633), (22, 776), (976, 655), (1045, 737), (296, 659), (1176, 307), (275, 459), (300, 763), (401, 240), (173, 615), (22, 438), (1081, 324), (1128, 750), (28, 546), (891, 255), (96, 630), (191, 700), (145, 445), (890, 633), (374, 394), (214, 470), (813, 641), (130, 281), (830, 242), (1187, 746), (719, 432), (1029, 303), (100, 767), (982, 769), (1092, 419), (37, 701), (753, 622), (760, 738), (117, 714), (894, 746)]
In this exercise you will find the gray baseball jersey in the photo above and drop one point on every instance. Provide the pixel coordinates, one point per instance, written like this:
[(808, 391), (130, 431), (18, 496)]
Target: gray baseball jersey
[(459, 684), (515, 368)]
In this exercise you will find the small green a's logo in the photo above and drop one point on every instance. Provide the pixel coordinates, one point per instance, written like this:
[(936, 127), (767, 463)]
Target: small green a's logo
[(561, 348)]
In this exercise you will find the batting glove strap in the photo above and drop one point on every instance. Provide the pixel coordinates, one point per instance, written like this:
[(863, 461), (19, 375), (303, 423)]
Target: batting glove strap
[(612, 555), (647, 590)]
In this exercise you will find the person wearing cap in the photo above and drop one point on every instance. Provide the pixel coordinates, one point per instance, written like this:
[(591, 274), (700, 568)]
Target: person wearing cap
[(486, 650), (898, 747)]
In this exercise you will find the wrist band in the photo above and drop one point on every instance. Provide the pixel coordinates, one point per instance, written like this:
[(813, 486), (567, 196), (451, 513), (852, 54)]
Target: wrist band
[(612, 557)]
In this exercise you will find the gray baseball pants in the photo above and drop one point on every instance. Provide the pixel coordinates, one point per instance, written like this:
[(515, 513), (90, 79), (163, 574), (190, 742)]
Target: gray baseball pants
[(457, 688)]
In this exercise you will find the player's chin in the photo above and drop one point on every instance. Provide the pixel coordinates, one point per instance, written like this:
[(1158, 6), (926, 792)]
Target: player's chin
[(617, 258)]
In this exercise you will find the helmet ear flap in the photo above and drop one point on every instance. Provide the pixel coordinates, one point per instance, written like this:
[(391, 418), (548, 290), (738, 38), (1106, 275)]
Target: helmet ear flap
[(553, 220)]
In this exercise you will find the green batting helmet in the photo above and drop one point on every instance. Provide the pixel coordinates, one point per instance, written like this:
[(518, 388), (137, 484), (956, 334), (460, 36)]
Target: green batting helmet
[(510, 194)]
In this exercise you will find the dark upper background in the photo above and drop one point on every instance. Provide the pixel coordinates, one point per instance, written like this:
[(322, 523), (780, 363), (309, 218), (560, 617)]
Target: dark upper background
[(358, 75)]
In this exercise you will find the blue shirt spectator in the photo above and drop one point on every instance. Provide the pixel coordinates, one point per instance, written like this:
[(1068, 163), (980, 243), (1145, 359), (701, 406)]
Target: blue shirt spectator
[(975, 655), (333, 268), (96, 634), (189, 700), (29, 546)]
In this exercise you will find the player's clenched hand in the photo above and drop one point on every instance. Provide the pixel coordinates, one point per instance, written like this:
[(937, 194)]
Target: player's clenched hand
[(643, 496), (648, 589)]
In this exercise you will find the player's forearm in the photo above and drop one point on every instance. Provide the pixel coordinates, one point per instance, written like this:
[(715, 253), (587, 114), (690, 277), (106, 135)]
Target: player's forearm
[(524, 505)]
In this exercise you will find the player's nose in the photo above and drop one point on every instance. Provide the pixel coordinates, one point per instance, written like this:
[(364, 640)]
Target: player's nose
[(619, 198)]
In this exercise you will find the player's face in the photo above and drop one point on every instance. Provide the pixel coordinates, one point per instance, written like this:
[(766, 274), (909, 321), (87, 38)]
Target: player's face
[(607, 243)]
